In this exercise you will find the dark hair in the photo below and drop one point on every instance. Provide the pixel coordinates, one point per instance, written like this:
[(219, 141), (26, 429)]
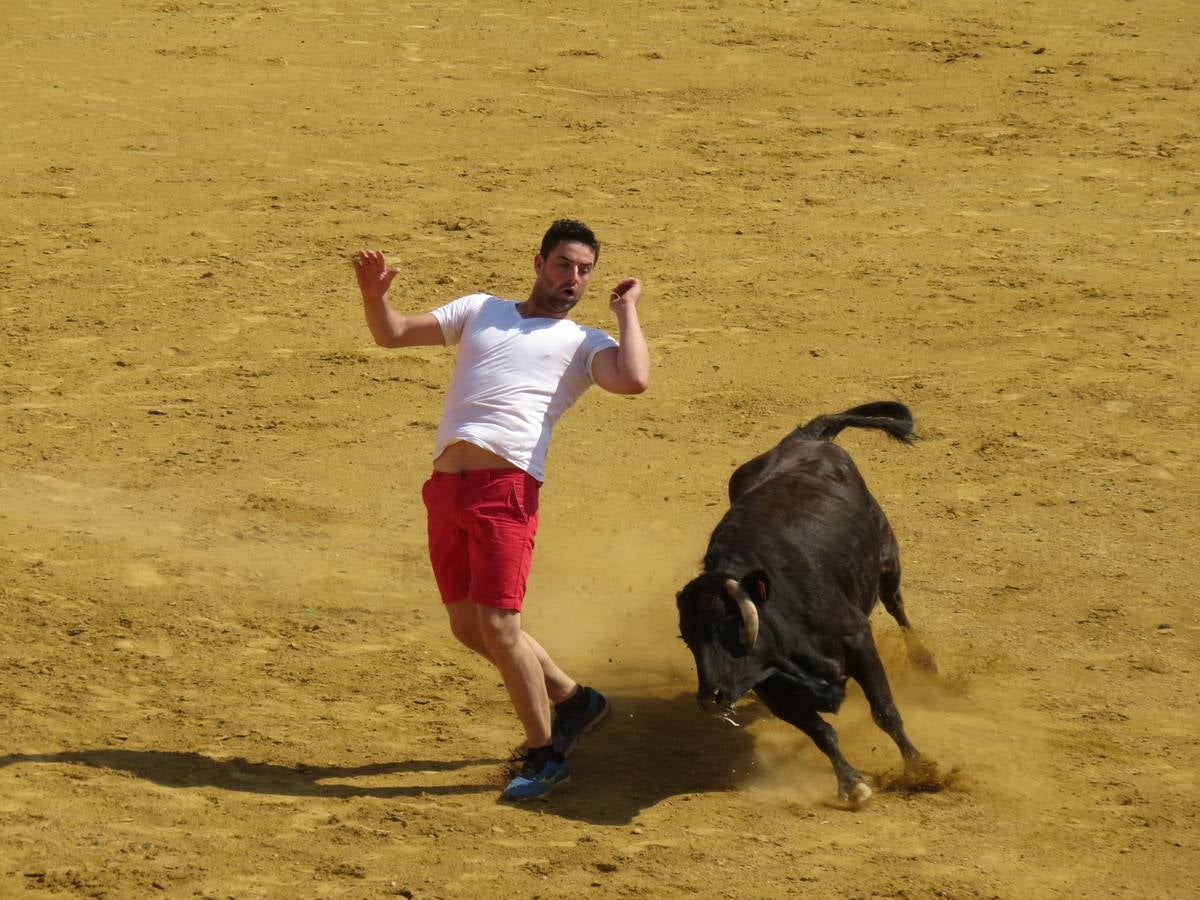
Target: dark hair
[(568, 230)]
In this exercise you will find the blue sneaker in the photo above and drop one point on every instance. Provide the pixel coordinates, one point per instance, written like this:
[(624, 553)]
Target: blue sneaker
[(585, 713), (538, 777)]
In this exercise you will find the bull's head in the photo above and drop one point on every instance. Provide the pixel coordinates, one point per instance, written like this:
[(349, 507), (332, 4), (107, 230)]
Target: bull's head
[(720, 622), (739, 639)]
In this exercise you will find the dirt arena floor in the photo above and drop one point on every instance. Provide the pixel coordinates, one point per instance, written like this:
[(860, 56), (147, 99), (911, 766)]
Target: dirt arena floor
[(224, 672)]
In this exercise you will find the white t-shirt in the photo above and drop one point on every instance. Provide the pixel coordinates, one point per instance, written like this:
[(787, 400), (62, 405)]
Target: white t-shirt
[(513, 377)]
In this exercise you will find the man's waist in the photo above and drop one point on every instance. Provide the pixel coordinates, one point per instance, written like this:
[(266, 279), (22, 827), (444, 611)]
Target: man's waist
[(463, 456)]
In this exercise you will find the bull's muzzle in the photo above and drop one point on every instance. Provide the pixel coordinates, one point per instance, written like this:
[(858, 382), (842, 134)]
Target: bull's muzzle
[(718, 703), (708, 699)]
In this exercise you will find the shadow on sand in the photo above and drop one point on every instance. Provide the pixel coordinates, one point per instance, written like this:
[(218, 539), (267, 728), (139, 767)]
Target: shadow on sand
[(189, 770), (651, 749)]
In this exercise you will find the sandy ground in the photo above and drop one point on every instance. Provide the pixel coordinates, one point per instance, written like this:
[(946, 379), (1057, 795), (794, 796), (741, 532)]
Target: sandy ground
[(223, 669)]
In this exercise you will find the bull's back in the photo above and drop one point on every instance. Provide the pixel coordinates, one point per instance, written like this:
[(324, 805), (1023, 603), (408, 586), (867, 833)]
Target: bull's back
[(801, 467), (795, 453), (812, 522)]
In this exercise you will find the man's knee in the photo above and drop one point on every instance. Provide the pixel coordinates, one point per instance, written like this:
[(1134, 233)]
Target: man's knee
[(500, 629)]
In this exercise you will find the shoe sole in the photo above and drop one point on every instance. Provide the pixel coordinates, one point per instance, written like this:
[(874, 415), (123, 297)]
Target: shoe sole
[(542, 796), (591, 726)]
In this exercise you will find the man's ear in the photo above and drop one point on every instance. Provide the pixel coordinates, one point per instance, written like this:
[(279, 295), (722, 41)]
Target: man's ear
[(538, 262), (755, 584)]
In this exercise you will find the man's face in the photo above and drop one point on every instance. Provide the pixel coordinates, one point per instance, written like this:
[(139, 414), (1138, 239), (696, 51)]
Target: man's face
[(562, 277)]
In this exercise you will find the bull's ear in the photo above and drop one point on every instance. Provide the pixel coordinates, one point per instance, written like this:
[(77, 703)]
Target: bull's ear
[(755, 584)]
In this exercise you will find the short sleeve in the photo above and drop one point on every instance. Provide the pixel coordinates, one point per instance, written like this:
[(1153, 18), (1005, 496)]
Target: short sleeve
[(595, 341), (454, 316)]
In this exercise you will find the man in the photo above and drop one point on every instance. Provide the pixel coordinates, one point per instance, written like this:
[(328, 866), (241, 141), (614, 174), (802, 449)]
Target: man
[(520, 365)]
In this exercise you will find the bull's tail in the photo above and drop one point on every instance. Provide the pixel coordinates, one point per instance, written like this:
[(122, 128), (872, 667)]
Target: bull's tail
[(885, 415)]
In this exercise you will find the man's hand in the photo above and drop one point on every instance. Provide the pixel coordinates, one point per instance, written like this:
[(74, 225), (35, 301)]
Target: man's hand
[(374, 275), (624, 369), (625, 295)]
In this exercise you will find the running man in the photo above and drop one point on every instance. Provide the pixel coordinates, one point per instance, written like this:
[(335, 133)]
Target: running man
[(520, 366)]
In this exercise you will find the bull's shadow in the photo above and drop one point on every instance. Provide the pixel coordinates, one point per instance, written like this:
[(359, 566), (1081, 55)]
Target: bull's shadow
[(653, 748)]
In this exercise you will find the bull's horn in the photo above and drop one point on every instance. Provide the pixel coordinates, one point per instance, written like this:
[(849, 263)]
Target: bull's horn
[(748, 610)]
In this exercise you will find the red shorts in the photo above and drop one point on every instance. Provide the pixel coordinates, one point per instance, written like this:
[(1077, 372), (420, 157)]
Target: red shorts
[(481, 529)]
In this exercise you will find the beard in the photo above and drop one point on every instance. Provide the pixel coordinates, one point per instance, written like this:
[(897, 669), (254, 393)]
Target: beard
[(554, 302)]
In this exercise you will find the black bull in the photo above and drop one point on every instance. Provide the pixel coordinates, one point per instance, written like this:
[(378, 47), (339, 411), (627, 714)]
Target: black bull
[(792, 573)]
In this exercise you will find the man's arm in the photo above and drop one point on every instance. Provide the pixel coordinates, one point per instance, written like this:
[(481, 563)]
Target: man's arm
[(624, 369), (388, 327)]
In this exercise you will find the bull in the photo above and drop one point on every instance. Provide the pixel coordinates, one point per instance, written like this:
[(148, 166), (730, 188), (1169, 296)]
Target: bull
[(791, 575)]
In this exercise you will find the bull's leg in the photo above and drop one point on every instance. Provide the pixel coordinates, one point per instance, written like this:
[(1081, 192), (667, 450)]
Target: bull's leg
[(782, 700), (864, 666), (889, 593), (893, 602)]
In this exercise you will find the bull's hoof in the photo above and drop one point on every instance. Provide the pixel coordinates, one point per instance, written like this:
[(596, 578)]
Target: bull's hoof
[(858, 796)]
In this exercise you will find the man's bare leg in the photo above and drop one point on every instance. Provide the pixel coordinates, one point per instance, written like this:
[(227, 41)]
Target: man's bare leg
[(465, 626), (559, 685), (513, 655)]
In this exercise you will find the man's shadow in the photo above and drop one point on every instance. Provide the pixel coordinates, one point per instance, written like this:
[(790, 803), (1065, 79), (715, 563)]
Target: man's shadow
[(651, 749), (188, 770)]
